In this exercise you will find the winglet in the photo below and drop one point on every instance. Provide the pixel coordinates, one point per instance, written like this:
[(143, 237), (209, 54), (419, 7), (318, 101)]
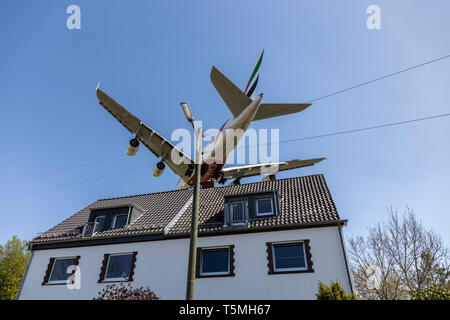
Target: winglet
[(98, 85)]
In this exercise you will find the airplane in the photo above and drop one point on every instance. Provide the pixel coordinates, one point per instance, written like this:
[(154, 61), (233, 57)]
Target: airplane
[(244, 108)]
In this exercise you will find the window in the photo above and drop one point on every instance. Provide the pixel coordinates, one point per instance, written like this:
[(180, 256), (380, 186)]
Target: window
[(215, 262), (119, 267), (57, 270), (120, 221), (289, 257), (264, 207), (241, 209), (98, 224), (107, 219), (237, 212)]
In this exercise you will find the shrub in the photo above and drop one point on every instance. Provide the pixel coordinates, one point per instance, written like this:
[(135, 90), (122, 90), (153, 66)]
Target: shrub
[(334, 292), (434, 292), (122, 292)]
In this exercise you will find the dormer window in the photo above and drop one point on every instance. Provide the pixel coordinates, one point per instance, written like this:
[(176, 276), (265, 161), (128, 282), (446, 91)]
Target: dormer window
[(119, 221), (264, 206), (98, 223), (107, 219), (238, 212)]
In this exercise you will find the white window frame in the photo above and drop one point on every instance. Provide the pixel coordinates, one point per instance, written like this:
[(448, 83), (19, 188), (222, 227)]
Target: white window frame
[(53, 267), (120, 214), (119, 279), (275, 269), (215, 273), (258, 214), (95, 223), (245, 202)]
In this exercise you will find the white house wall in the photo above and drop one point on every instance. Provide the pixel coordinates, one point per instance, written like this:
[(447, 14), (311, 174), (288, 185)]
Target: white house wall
[(162, 266)]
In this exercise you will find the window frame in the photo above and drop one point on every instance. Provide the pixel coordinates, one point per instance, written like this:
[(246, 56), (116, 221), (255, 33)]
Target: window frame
[(230, 212), (113, 224), (272, 260), (51, 267), (230, 271), (272, 206), (119, 279), (95, 224)]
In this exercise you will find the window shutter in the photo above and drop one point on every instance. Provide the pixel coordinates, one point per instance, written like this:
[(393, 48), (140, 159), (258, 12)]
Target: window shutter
[(133, 264), (232, 260), (197, 263), (48, 271), (103, 269), (269, 257), (308, 255)]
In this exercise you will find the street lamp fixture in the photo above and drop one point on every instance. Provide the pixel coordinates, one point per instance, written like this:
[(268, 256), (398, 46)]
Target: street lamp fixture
[(187, 111)]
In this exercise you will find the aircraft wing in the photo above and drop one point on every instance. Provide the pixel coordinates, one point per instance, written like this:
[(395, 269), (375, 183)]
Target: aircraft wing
[(157, 144), (266, 168)]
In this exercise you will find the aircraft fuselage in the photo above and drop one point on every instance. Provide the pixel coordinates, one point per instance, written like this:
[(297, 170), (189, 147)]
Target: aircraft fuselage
[(216, 153)]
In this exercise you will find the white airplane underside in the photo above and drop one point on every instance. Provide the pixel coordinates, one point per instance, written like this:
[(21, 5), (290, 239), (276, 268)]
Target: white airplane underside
[(244, 110)]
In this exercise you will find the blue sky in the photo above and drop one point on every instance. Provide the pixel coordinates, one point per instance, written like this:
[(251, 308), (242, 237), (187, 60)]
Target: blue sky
[(151, 55)]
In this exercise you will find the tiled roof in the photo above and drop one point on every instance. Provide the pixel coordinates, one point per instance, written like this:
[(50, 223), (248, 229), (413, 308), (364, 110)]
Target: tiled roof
[(302, 200)]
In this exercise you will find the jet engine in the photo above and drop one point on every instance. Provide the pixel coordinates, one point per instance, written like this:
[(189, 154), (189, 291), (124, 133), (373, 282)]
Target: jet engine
[(132, 147), (158, 169)]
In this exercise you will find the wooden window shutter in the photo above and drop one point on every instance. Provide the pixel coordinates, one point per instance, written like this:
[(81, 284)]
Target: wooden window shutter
[(198, 262), (133, 264), (232, 260), (48, 271), (308, 255), (103, 269), (269, 257)]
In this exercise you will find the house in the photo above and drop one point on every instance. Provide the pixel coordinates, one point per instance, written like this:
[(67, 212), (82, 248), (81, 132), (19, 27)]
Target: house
[(263, 240)]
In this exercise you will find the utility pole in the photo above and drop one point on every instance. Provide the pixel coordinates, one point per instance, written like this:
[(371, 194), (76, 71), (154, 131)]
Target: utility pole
[(190, 285)]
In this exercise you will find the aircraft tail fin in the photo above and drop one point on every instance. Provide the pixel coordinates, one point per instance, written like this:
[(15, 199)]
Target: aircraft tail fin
[(253, 81), (233, 97)]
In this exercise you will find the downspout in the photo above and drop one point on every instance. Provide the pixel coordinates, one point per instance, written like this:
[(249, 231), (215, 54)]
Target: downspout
[(344, 251), (26, 271)]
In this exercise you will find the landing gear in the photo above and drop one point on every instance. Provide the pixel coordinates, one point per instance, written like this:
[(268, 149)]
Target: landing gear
[(236, 182), (218, 176)]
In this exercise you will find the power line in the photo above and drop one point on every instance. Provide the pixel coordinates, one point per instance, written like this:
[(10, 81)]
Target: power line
[(74, 183), (352, 130), (378, 79), (305, 138), (285, 141)]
